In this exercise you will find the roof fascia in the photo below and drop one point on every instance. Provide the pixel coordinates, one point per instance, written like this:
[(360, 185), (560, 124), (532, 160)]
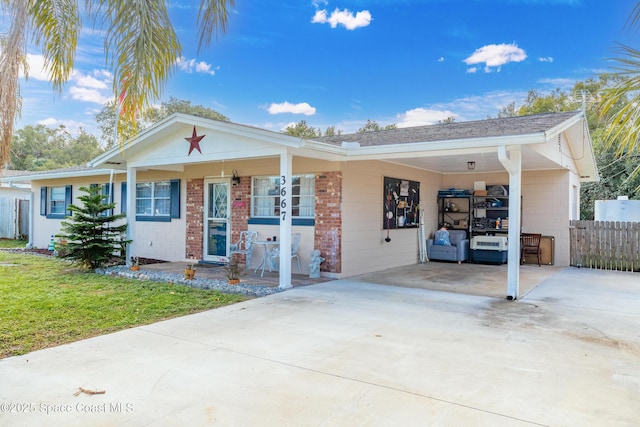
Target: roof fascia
[(438, 147), (60, 175)]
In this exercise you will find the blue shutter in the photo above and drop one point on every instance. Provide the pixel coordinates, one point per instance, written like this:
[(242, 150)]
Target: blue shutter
[(67, 199), (174, 209), (43, 200), (123, 197)]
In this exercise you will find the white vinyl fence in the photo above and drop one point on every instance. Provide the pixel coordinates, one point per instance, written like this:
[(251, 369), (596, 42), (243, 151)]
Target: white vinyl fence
[(14, 218)]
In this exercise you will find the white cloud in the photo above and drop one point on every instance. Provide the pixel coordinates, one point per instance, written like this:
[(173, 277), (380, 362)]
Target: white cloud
[(286, 107), (423, 116), (90, 82), (93, 87), (191, 65), (472, 70), (345, 17), (441, 59), (559, 82), (546, 59), (496, 55), (72, 126), (88, 95), (36, 68), (48, 122)]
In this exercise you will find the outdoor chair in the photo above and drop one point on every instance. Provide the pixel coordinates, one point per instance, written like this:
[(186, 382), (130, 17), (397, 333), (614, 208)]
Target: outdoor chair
[(530, 244), (295, 245), (244, 246), (457, 249)]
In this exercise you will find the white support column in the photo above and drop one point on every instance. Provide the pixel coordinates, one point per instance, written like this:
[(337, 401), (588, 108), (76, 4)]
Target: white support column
[(286, 161), (513, 165), (131, 212)]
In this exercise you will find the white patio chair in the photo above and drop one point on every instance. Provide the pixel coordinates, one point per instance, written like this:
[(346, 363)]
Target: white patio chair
[(244, 246), (295, 245)]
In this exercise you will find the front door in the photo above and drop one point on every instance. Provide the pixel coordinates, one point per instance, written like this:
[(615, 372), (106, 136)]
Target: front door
[(216, 220)]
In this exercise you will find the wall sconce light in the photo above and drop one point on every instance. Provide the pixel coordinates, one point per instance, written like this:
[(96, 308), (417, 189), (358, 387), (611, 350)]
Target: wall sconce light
[(235, 179), (471, 165)]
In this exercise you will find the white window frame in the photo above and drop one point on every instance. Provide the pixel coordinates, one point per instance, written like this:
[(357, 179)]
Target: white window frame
[(62, 201), (267, 198), (154, 199)]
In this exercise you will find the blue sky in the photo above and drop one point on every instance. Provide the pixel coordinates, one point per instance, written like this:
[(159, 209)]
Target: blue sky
[(341, 62)]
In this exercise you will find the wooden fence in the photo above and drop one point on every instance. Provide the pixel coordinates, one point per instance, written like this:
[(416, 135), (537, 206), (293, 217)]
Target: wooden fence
[(605, 245)]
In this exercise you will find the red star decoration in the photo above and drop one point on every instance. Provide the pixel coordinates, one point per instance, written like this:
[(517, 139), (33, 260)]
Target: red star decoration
[(194, 141)]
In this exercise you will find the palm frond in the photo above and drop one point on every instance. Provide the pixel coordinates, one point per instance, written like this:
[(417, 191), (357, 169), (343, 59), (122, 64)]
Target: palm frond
[(212, 19), (12, 61), (634, 18), (623, 100), (141, 48), (56, 24)]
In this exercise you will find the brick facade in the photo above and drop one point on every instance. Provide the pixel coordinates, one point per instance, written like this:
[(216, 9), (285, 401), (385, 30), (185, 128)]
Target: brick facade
[(195, 218), (328, 221), (328, 224), (240, 210)]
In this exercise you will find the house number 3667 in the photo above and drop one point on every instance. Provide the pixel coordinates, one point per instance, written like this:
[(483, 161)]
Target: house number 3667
[(283, 197)]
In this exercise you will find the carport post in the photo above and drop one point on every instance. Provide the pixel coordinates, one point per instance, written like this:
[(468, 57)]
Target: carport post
[(513, 165), (286, 164)]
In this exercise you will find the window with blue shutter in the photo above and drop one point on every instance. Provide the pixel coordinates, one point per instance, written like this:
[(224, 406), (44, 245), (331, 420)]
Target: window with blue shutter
[(155, 201), (54, 201)]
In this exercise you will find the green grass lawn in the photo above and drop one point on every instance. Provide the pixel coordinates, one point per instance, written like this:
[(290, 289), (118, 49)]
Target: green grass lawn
[(13, 244), (46, 302)]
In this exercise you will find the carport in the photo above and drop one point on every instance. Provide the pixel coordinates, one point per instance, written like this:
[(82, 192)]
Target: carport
[(514, 145)]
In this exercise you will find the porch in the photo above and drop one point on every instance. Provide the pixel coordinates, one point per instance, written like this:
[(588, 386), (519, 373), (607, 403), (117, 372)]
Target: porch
[(467, 278)]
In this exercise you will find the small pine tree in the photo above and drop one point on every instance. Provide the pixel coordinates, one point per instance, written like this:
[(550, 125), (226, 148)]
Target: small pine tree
[(92, 237)]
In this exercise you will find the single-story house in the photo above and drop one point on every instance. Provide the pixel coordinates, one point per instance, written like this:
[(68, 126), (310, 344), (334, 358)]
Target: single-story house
[(190, 185)]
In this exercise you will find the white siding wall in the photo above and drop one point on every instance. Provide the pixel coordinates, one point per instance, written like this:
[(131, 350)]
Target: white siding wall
[(546, 204), (167, 238), (363, 246)]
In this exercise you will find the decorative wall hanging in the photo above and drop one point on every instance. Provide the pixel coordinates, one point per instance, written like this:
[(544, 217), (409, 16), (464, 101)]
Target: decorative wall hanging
[(194, 141), (401, 200)]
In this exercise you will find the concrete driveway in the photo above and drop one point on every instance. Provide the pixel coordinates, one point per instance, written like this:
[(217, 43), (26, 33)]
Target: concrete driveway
[(353, 353)]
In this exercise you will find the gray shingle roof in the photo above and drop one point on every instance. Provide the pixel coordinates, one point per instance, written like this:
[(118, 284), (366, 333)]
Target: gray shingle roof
[(508, 126)]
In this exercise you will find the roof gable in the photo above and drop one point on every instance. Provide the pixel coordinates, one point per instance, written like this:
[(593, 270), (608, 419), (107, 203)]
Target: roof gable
[(166, 143)]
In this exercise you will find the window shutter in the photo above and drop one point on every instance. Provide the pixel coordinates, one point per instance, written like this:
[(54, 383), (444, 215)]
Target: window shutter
[(123, 197), (175, 198), (67, 199), (43, 200)]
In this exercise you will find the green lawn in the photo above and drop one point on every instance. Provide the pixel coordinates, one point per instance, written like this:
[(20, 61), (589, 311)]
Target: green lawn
[(46, 302), (14, 244)]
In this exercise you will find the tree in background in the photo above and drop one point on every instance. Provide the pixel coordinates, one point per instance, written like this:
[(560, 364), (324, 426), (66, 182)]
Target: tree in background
[(42, 148), (373, 126), (92, 238), (302, 130), (616, 174), (106, 118), (332, 131), (141, 49)]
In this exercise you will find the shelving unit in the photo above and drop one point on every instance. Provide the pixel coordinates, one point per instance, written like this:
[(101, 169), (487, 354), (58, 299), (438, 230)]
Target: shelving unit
[(490, 214), (454, 211)]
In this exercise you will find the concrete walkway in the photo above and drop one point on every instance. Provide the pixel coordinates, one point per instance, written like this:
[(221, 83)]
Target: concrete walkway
[(353, 353)]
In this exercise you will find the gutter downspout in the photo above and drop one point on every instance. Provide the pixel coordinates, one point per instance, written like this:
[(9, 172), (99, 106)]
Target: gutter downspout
[(513, 164)]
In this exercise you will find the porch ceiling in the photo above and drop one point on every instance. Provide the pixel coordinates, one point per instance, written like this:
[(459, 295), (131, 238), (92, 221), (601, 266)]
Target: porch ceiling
[(484, 162)]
